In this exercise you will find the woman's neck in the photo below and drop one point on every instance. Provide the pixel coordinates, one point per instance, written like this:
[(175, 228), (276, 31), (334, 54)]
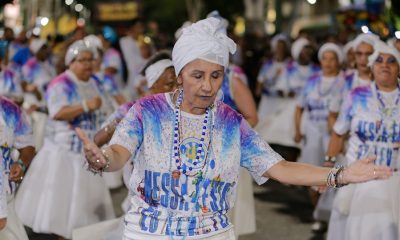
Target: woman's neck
[(330, 74), (365, 75), (387, 87)]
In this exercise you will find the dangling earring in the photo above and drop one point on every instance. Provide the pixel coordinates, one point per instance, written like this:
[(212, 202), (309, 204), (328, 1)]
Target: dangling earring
[(179, 91)]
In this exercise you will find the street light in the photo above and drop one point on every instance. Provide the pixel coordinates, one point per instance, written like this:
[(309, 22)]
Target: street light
[(78, 7), (397, 34), (365, 29), (312, 2), (69, 2), (44, 21)]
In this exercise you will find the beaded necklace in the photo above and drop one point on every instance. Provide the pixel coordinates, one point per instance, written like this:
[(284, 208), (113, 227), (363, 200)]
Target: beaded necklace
[(182, 166)]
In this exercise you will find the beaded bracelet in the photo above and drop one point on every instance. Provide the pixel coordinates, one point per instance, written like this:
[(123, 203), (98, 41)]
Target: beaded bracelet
[(332, 179), (108, 160)]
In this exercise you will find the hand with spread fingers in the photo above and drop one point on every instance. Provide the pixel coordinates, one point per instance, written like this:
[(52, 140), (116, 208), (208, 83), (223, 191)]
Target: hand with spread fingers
[(93, 154), (364, 170)]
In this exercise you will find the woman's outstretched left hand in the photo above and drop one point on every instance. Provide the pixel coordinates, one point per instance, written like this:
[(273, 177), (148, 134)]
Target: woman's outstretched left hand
[(365, 170)]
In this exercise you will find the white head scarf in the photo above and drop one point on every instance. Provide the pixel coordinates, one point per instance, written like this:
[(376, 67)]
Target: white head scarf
[(93, 42), (36, 44), (297, 46), (179, 32), (223, 25), (202, 40), (154, 71), (381, 47), (368, 38), (74, 50), (331, 47), (279, 37)]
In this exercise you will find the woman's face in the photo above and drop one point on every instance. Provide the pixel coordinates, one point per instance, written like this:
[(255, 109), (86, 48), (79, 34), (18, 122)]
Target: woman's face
[(201, 81), (329, 63), (166, 82), (362, 53), (82, 66), (386, 70)]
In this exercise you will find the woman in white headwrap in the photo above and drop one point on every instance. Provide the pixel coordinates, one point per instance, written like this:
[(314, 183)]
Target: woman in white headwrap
[(268, 75), (349, 58), (313, 128), (37, 72), (59, 194), (188, 149), (371, 116), (289, 84), (363, 48)]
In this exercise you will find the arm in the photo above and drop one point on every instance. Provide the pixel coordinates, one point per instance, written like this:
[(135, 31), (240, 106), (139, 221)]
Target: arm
[(105, 134), (246, 104), (308, 175), (26, 155), (120, 99), (108, 159), (331, 120), (259, 89), (69, 113), (297, 122)]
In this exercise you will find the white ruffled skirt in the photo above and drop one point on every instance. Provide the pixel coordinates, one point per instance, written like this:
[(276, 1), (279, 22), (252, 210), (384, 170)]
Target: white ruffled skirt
[(58, 194)]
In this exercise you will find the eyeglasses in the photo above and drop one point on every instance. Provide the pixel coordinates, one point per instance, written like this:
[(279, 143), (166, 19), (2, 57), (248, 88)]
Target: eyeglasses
[(85, 60)]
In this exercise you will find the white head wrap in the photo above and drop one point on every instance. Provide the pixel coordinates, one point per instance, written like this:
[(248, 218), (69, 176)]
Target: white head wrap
[(297, 46), (74, 50), (179, 32), (93, 42), (368, 38), (223, 25), (331, 47), (279, 37), (36, 44), (346, 49), (381, 47), (154, 71), (201, 40)]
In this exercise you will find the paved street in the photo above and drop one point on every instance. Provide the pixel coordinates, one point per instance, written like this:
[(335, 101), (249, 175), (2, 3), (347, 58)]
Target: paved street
[(283, 213)]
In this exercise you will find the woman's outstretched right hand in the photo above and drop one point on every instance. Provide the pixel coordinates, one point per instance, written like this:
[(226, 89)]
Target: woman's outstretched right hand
[(93, 154)]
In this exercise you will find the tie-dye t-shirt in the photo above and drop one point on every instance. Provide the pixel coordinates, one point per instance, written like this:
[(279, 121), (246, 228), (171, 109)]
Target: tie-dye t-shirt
[(316, 96), (10, 85), (340, 93), (361, 115), (38, 73), (269, 74), (294, 77), (112, 58), (66, 90), (15, 133), (167, 204)]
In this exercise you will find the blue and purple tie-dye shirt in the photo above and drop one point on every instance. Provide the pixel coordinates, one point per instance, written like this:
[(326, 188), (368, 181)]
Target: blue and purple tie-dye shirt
[(164, 204), (10, 85), (15, 133), (372, 131), (66, 90), (38, 73)]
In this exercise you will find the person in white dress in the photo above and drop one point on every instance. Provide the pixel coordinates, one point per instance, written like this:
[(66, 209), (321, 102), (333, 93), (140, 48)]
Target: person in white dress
[(269, 74), (37, 72), (59, 194), (370, 115), (16, 153), (290, 85), (189, 148), (312, 130)]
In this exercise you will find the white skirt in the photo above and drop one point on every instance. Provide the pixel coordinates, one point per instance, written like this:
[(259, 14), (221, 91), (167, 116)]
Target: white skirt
[(267, 107), (374, 211), (59, 195), (315, 144), (14, 229), (278, 127)]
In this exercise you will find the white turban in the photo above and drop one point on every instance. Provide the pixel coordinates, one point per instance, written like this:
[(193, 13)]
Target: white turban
[(73, 51), (154, 71), (279, 37), (368, 38), (223, 25), (93, 42), (201, 40), (297, 46), (381, 47), (179, 32), (331, 47), (36, 44)]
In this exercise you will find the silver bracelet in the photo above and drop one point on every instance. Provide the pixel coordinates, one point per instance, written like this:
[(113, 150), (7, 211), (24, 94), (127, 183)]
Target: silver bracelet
[(107, 157), (85, 106)]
